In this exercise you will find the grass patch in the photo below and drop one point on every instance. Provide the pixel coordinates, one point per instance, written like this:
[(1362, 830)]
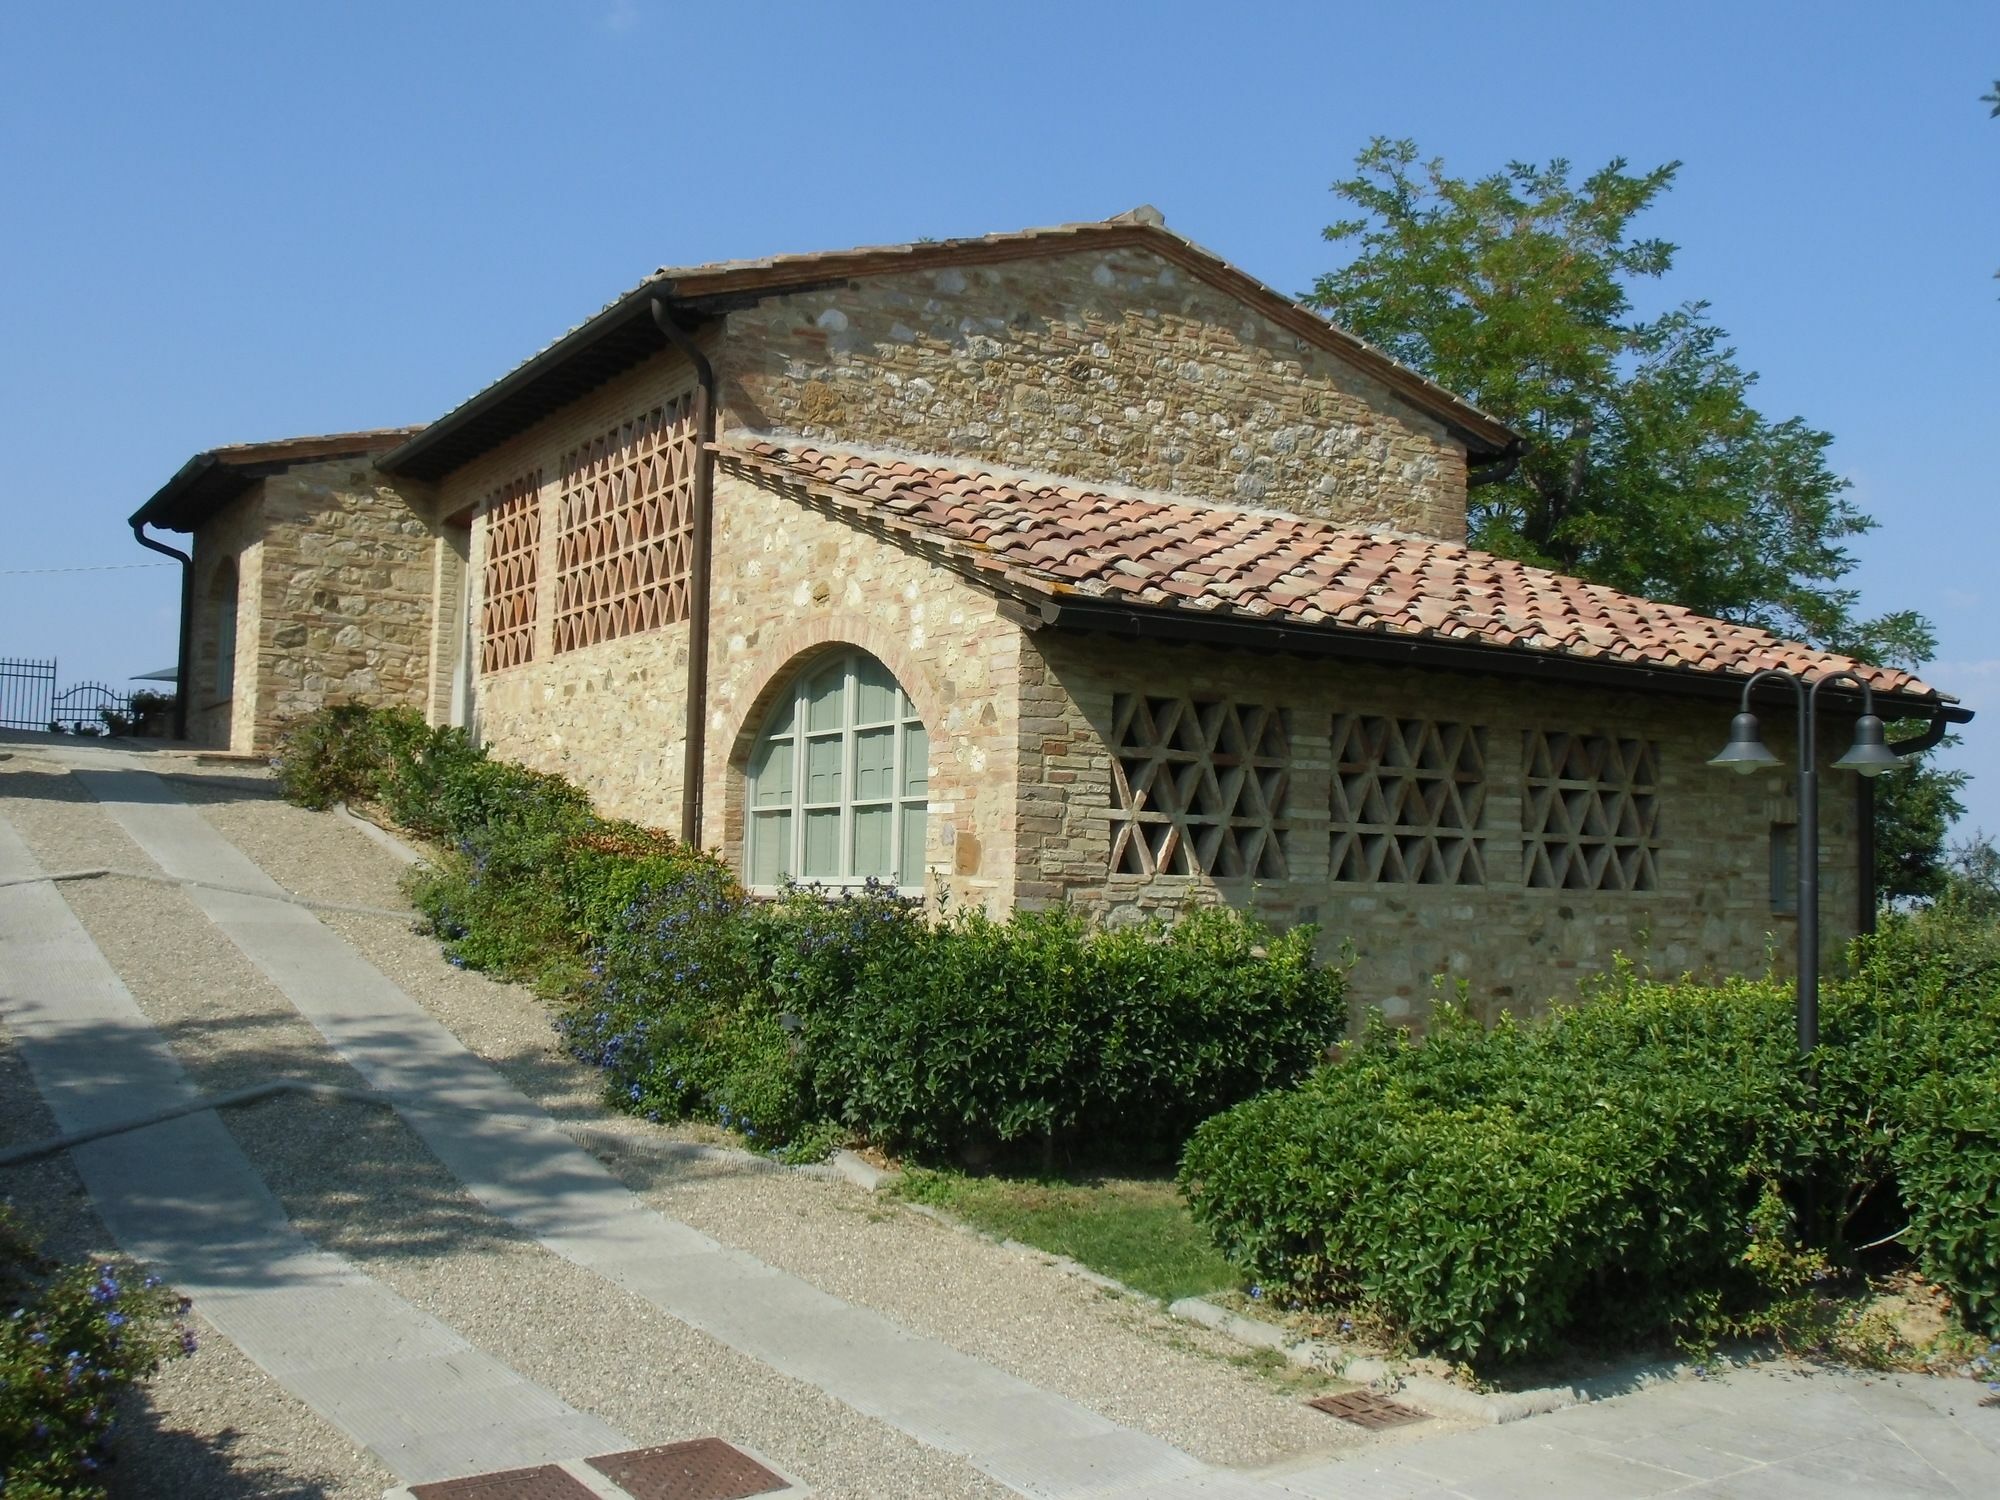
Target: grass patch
[(1136, 1230)]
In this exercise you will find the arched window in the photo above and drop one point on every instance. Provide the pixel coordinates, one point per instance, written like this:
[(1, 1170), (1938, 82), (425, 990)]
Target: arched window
[(839, 780)]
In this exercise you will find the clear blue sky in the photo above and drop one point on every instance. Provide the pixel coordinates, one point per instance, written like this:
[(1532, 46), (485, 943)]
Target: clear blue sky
[(233, 222)]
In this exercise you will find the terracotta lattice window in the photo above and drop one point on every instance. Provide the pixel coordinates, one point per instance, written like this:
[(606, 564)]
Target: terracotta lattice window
[(1199, 787), (1590, 812), (507, 597), (622, 551), (1409, 801)]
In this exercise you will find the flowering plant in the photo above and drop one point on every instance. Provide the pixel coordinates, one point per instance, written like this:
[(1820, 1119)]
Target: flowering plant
[(71, 1338)]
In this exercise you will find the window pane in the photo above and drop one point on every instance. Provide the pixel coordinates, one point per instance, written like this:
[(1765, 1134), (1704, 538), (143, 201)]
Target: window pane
[(824, 696), (786, 713), (771, 774), (823, 769), (879, 698), (823, 845), (770, 847), (875, 763), (911, 869), (874, 829), (916, 760)]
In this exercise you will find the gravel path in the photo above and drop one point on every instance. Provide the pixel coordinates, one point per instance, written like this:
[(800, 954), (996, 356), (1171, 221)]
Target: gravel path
[(1180, 1383), (357, 1181)]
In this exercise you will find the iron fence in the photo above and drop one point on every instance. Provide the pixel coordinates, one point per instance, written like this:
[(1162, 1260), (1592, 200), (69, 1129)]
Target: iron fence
[(27, 693), (29, 700), (86, 706)]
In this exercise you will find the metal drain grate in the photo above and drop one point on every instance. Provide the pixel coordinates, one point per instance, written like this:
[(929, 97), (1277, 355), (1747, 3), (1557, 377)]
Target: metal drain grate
[(546, 1482), (1366, 1409), (703, 1469)]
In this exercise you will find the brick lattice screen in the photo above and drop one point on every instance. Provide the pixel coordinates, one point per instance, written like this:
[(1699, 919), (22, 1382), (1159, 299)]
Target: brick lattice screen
[(1590, 812), (622, 552), (1200, 788), (507, 601), (1408, 801)]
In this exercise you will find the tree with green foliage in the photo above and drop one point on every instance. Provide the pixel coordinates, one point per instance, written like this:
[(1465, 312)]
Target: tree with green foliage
[(1646, 466)]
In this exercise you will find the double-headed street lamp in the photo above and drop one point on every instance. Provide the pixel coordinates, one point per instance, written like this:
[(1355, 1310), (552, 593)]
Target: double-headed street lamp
[(1869, 755)]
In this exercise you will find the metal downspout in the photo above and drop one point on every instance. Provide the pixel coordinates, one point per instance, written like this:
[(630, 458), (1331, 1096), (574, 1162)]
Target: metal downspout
[(187, 623), (693, 764), (1932, 736)]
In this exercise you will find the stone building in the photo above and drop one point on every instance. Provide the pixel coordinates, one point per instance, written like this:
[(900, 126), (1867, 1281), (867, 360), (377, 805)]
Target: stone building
[(1066, 565), (310, 580)]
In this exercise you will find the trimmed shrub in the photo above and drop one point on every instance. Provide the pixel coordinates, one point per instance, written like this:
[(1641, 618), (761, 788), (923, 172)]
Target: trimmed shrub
[(334, 755), (1657, 1157), (1947, 1160), (784, 1019), (973, 1035), (71, 1339), (1493, 1193)]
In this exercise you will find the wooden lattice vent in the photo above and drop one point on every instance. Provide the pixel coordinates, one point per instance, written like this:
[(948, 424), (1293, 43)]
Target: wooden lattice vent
[(507, 599), (1590, 812), (1408, 801), (1200, 788), (624, 548)]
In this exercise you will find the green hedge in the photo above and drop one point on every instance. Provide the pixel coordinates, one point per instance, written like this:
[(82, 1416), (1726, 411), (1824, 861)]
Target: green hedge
[(827, 1013), (1653, 1158), (964, 1037)]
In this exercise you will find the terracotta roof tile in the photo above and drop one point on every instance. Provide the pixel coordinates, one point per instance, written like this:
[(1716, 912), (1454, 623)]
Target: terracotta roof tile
[(1050, 538)]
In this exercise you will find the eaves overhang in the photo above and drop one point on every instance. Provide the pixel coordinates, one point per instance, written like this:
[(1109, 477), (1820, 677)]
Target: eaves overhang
[(210, 480), (1138, 622)]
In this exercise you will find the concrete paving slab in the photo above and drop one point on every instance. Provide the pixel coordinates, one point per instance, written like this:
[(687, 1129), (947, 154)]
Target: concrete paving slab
[(1572, 1472), (1099, 1465), (1356, 1480)]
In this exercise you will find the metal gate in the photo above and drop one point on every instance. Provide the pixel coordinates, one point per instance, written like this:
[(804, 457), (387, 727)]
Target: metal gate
[(27, 694), (87, 704)]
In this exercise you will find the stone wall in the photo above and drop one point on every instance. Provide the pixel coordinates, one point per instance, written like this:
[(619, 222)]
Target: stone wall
[(1516, 946), (790, 581), (1114, 367), (346, 612), (222, 717), (335, 582)]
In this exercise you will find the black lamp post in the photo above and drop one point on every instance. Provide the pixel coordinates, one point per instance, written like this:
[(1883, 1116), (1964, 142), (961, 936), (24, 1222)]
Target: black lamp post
[(1869, 755)]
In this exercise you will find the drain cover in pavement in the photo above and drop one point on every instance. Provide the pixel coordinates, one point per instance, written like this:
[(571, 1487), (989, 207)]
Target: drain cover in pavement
[(1366, 1409), (544, 1483), (703, 1469)]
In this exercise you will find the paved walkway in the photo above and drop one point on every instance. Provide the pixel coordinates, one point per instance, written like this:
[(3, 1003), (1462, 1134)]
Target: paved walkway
[(430, 1405), (181, 1197)]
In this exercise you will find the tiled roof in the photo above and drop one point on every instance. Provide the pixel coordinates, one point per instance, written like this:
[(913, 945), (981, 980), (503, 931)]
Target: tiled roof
[(1061, 541), (212, 478)]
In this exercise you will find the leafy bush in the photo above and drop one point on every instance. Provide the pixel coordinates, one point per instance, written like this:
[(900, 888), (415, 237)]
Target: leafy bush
[(526, 879), (1947, 1160), (338, 753), (975, 1034), (1491, 1193), (788, 1020), (1656, 1157), (71, 1338)]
